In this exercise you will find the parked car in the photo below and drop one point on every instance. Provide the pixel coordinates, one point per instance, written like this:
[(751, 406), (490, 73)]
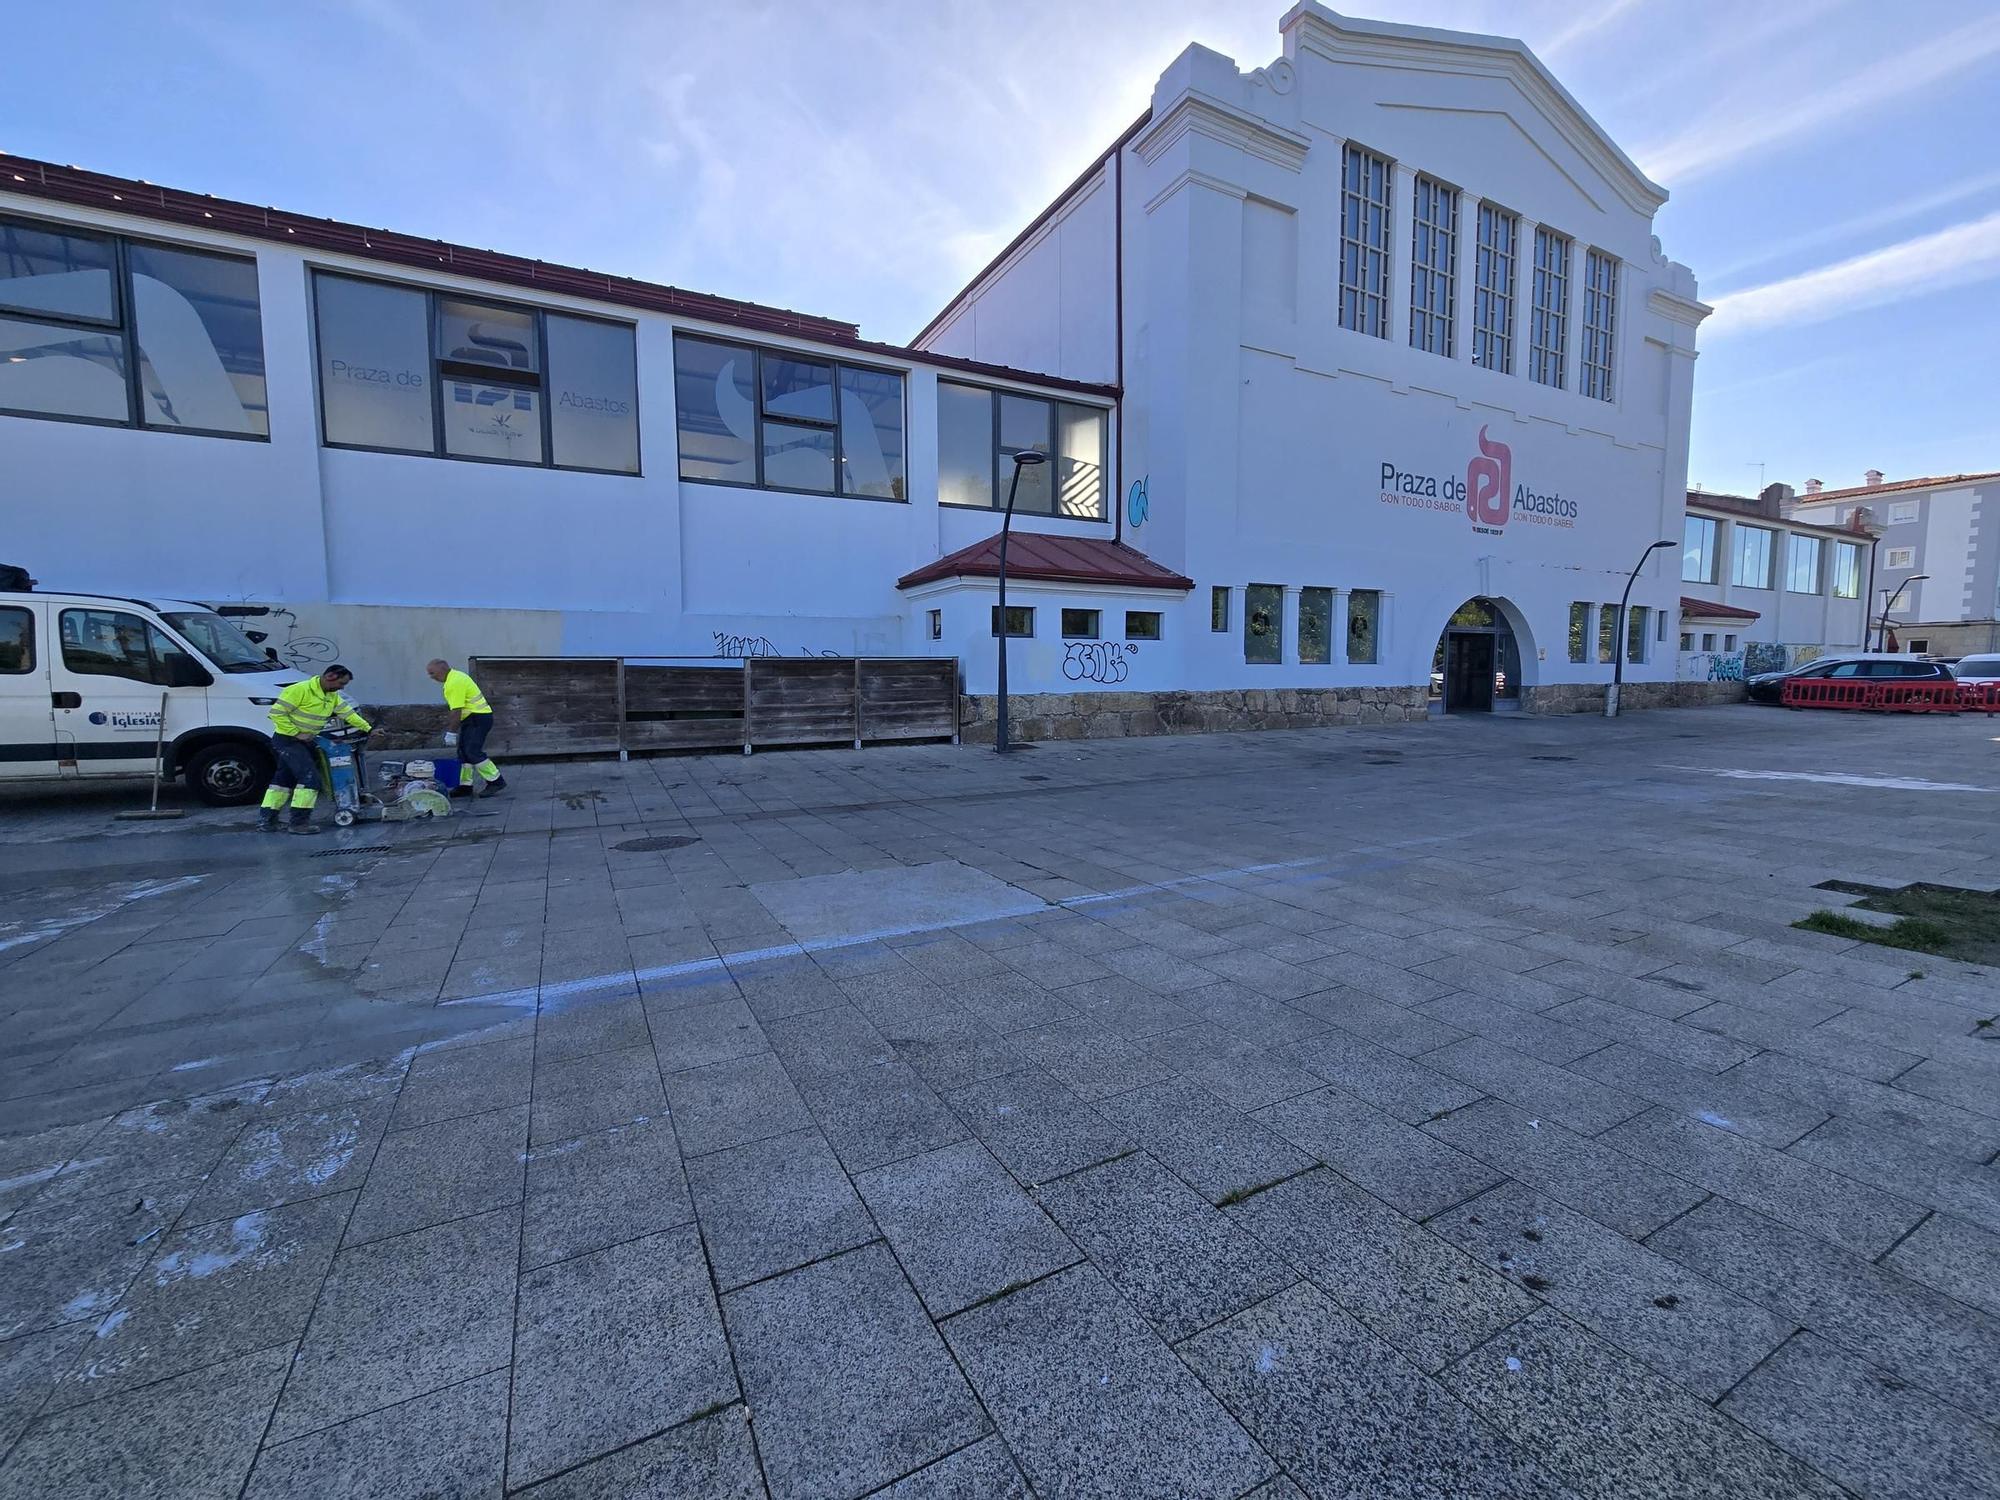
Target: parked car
[(84, 677), (1977, 669), (1769, 687)]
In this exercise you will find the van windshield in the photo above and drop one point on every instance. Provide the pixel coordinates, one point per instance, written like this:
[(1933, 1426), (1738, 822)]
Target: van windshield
[(221, 642)]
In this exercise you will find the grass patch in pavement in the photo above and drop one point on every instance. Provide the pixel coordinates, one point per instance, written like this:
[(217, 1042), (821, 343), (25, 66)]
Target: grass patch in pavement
[(1942, 919)]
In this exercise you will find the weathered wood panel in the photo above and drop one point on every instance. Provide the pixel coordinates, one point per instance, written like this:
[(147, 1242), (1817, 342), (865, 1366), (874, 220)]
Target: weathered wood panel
[(551, 706), (913, 698), (809, 701)]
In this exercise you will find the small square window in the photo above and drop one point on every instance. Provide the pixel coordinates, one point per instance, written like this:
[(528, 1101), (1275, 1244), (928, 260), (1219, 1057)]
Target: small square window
[(1729, 643), (1020, 620), (937, 624), (1218, 609), (1708, 640), (1142, 624), (1081, 624), (1920, 646), (1687, 640)]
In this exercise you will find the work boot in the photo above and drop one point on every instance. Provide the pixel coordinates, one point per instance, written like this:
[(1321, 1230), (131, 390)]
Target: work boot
[(497, 784), (267, 820), (302, 822)]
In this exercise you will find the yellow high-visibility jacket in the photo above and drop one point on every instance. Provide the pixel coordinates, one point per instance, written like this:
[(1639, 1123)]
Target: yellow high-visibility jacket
[(461, 692), (309, 706)]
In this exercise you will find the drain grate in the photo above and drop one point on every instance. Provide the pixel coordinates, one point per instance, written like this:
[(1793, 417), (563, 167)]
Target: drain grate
[(352, 849), (655, 844)]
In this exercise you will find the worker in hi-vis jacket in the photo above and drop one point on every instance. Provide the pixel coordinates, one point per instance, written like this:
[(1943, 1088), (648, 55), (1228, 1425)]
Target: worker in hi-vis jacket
[(472, 721), (301, 712)]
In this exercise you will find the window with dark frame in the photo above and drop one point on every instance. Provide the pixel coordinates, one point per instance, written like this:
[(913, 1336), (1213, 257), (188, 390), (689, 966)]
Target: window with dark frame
[(1607, 633), (788, 419), (1315, 627), (1635, 632), (1548, 342), (409, 369), (126, 332), (979, 431), (1020, 620), (1263, 623), (1493, 289), (17, 641), (1218, 608), (1433, 265), (1366, 180), (1600, 324), (1579, 631), (1142, 624), (937, 624), (1081, 624), (1364, 626)]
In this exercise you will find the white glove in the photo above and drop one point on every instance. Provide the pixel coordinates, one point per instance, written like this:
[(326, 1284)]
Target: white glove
[(451, 737)]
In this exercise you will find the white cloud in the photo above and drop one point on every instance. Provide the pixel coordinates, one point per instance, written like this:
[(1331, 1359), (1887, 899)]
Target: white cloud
[(1953, 257), (1826, 234), (1782, 113), (1583, 26)]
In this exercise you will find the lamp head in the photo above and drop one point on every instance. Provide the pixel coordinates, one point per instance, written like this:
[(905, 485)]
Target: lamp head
[(1028, 458)]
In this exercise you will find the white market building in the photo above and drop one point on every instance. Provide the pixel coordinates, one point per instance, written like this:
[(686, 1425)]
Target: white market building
[(1363, 377)]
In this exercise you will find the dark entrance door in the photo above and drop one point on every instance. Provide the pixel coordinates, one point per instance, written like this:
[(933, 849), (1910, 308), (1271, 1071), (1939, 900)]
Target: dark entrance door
[(1468, 673)]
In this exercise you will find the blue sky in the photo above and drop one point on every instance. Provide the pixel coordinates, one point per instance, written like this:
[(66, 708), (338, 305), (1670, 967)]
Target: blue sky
[(1835, 181)]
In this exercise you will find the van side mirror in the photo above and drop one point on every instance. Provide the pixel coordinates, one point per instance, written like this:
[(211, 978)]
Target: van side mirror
[(185, 671), (270, 653)]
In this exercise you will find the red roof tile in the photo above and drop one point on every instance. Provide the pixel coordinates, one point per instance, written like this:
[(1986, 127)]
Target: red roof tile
[(1052, 559), (1708, 609), (1935, 481)]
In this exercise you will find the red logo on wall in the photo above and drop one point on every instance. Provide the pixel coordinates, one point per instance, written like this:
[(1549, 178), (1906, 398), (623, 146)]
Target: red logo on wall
[(1489, 484)]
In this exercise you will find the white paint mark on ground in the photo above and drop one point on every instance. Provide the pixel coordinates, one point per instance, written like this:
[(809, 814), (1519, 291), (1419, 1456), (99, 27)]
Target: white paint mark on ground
[(113, 1323), (83, 1304), (246, 1238), (1513, 1364), (1267, 1360), (1710, 1117), (199, 1062), (1841, 778), (29, 1179), (18, 934)]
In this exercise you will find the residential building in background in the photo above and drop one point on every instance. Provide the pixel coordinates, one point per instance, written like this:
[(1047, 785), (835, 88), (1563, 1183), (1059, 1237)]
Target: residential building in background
[(1362, 380), (1761, 592), (1946, 527)]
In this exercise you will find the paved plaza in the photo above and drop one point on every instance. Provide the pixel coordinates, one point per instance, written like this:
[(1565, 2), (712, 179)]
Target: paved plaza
[(1447, 1111)]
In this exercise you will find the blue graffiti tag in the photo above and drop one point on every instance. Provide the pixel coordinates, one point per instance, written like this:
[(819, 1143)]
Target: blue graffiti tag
[(1136, 505)]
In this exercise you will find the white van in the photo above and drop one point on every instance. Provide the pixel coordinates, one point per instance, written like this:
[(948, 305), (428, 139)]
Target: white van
[(82, 677)]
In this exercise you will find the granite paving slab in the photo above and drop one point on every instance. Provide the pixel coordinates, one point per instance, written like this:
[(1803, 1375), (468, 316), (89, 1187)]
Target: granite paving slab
[(1082, 1390), (770, 1205), (850, 1383)]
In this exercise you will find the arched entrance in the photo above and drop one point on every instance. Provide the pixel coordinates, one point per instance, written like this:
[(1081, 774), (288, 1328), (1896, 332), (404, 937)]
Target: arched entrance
[(1477, 666)]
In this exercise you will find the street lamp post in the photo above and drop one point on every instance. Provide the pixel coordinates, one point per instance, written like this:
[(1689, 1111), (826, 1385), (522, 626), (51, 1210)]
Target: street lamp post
[(1882, 633), (1618, 640), (1027, 458)]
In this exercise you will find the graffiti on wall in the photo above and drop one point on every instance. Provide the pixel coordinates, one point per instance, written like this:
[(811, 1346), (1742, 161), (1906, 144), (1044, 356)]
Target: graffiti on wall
[(757, 645), (298, 649), (1764, 656), (1097, 661), (1725, 666), (1137, 505)]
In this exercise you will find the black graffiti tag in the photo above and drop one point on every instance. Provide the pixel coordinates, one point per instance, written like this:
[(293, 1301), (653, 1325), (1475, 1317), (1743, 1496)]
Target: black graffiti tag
[(1096, 661)]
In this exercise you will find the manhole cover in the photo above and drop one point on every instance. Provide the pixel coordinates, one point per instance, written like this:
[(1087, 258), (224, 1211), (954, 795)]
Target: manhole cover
[(1552, 757), (656, 844), (353, 849)]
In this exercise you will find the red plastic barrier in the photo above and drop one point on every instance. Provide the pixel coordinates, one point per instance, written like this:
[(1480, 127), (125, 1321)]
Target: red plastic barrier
[(1826, 692), (1982, 697), (1880, 695)]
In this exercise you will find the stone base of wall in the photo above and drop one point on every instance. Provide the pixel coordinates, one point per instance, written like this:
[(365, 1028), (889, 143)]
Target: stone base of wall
[(406, 726), (1588, 697), (1081, 716)]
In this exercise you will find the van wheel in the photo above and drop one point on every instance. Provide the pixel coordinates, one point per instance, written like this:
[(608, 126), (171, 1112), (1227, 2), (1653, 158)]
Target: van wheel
[(229, 774)]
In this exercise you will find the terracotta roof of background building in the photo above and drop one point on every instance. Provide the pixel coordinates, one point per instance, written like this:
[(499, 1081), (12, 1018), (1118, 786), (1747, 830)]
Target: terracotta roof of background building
[(1034, 555), (145, 200), (1934, 481), (1749, 508), (1708, 609)]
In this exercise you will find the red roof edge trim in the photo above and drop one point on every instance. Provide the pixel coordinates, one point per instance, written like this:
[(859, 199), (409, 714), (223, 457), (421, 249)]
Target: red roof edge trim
[(1035, 556), (1708, 609)]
